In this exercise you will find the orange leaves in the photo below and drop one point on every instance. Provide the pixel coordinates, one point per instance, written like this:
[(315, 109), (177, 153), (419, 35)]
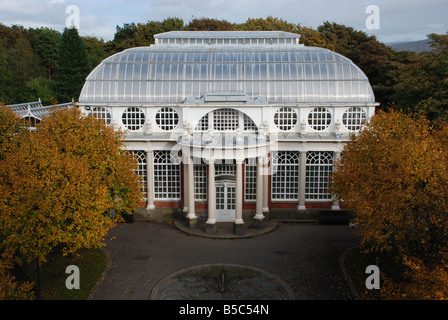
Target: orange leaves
[(59, 184), (394, 175)]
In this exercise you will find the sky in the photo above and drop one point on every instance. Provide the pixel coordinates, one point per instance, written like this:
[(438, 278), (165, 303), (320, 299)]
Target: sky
[(388, 20)]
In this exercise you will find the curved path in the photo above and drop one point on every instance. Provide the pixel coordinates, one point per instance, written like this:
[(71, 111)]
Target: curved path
[(304, 256)]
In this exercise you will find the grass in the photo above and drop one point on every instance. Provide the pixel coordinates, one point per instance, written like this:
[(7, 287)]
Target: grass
[(91, 264), (355, 264)]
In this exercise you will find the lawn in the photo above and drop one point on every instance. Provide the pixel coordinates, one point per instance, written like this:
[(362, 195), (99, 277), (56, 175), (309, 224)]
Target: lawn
[(355, 263), (91, 264)]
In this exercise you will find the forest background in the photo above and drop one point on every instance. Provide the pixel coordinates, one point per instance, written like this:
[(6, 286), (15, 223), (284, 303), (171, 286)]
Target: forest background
[(34, 62)]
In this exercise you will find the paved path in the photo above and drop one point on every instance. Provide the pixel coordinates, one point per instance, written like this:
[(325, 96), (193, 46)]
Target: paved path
[(305, 256)]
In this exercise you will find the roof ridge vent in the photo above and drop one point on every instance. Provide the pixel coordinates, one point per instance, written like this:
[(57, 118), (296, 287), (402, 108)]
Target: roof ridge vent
[(227, 38)]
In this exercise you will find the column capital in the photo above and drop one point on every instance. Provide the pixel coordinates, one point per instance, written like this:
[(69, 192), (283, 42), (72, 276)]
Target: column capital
[(239, 160)]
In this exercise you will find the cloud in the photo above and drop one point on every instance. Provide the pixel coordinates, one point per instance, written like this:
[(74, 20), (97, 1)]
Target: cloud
[(400, 19)]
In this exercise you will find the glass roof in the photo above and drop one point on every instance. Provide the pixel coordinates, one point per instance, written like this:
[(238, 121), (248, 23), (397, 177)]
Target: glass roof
[(36, 109), (282, 73)]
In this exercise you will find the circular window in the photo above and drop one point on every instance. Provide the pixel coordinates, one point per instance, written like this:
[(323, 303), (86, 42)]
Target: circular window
[(285, 119), (101, 113), (133, 118), (354, 118), (167, 119), (319, 119)]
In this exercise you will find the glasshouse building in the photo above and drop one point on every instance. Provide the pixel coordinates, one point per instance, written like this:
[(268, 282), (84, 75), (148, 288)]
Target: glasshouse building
[(230, 126)]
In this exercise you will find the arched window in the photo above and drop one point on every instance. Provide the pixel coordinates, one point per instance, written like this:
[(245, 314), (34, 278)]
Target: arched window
[(101, 113), (285, 175), (133, 118), (319, 165), (226, 120), (354, 118), (319, 119), (166, 175), (285, 119), (167, 119), (141, 171)]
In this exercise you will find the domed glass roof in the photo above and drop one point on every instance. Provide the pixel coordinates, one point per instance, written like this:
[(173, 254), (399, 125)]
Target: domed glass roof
[(261, 64)]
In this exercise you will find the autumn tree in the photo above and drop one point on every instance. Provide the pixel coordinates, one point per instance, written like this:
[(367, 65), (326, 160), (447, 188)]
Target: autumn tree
[(61, 185), (207, 24), (394, 176)]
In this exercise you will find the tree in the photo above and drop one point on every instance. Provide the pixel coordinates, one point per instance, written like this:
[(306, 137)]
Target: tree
[(268, 24), (73, 65), (12, 128), (60, 185), (206, 24), (394, 176), (5, 77), (421, 85), (47, 44), (96, 49)]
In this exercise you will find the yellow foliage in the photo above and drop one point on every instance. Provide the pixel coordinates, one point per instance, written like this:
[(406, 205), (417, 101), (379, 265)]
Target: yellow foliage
[(394, 175)]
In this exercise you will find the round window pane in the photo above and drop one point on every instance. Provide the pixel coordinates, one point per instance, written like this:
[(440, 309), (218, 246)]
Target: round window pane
[(133, 118), (167, 119), (285, 119), (354, 118), (101, 113), (319, 119)]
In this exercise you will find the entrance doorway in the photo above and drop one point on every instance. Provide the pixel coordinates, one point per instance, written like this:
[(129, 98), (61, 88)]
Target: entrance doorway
[(225, 198)]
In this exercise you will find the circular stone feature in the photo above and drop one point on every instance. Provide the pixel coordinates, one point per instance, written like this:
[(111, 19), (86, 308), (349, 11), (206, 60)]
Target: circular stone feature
[(221, 282)]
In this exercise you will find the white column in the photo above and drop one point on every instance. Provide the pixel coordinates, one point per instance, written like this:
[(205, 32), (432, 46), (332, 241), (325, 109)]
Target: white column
[(337, 156), (150, 179), (259, 205), (239, 192), (185, 182), (265, 183), (211, 196), (191, 214), (302, 180)]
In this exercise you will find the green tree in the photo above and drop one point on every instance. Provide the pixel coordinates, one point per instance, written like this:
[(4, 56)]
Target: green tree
[(5, 77), (47, 44), (73, 66), (96, 49), (422, 86)]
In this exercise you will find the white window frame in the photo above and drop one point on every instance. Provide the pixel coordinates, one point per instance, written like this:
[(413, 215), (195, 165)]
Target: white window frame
[(319, 118), (167, 119), (285, 179), (141, 171), (133, 118), (285, 119), (319, 166), (354, 118), (167, 184), (200, 181), (250, 180), (101, 113)]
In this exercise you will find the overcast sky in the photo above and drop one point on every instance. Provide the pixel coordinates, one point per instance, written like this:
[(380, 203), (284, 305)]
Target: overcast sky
[(399, 20)]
